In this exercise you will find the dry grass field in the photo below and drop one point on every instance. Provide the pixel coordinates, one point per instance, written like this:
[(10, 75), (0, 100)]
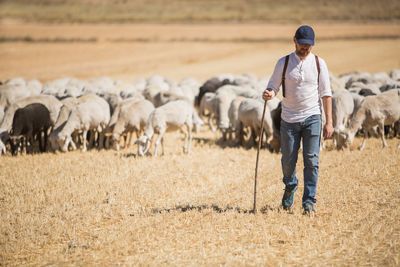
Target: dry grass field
[(199, 11), (109, 208), (112, 208)]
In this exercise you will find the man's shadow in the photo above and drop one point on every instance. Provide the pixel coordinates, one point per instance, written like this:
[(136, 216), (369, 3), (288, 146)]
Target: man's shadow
[(212, 207)]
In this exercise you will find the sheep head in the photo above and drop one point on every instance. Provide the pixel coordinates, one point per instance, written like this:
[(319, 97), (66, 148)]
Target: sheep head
[(143, 145), (16, 142), (344, 139), (63, 142)]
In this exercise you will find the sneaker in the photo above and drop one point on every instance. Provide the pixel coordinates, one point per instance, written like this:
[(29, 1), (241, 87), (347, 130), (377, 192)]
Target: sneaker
[(288, 197), (308, 208)]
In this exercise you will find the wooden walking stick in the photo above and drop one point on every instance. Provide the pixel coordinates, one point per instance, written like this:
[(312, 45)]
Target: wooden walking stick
[(258, 154)]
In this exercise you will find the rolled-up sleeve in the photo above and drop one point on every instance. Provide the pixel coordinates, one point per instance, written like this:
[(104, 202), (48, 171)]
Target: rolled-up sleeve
[(324, 88), (276, 78)]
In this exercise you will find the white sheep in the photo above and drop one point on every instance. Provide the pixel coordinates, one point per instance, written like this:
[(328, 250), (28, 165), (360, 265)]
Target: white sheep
[(375, 111), (209, 104), (90, 115), (9, 93), (163, 97), (342, 110), (233, 114), (225, 95), (55, 87), (395, 74), (133, 116), (172, 116), (159, 81), (250, 115), (19, 81), (192, 84), (151, 91), (139, 83), (68, 104), (34, 87)]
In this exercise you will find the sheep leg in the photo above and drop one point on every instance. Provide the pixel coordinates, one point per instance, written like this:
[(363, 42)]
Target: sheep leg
[(158, 140), (162, 146), (122, 139), (365, 132), (72, 144), (84, 149), (129, 143), (126, 140), (334, 139), (211, 123), (107, 142), (138, 133), (156, 145), (381, 132), (91, 142), (184, 130), (148, 144), (241, 134), (253, 136), (190, 139), (116, 144), (45, 141), (28, 144), (75, 139), (101, 140), (39, 137)]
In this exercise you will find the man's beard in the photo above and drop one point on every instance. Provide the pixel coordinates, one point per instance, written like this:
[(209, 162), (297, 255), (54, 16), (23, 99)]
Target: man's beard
[(302, 52)]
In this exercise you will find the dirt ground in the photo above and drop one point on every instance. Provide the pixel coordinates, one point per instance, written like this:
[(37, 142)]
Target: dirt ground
[(178, 51), (112, 208)]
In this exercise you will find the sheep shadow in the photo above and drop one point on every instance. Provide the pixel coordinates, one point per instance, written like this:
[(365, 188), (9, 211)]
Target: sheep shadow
[(129, 155), (212, 207), (203, 141)]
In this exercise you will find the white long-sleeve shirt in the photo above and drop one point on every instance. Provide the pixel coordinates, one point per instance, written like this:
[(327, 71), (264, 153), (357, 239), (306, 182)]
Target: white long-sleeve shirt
[(302, 93)]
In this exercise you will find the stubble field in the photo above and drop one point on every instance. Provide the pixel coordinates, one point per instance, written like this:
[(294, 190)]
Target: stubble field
[(108, 207)]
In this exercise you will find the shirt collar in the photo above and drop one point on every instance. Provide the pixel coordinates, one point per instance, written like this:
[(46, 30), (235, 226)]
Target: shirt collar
[(298, 58)]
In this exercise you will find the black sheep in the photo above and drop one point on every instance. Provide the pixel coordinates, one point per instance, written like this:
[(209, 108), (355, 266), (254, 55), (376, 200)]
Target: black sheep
[(211, 85), (29, 122), (366, 92)]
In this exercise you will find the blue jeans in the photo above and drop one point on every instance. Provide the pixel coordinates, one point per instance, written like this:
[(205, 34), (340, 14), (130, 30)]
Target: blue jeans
[(291, 134)]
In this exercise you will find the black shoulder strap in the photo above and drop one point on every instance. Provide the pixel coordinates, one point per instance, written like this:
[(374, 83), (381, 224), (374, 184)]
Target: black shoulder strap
[(284, 74), (318, 68)]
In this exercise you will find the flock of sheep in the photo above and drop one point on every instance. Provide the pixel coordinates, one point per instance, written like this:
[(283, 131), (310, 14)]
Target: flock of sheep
[(61, 114)]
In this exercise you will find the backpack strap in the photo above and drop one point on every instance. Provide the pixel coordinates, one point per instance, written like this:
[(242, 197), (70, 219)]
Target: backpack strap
[(318, 68), (284, 74)]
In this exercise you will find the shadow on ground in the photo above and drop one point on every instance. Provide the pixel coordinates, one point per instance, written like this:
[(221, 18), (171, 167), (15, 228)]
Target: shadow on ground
[(213, 207)]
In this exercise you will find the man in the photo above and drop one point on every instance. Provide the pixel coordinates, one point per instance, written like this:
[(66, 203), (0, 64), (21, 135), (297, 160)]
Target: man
[(305, 81)]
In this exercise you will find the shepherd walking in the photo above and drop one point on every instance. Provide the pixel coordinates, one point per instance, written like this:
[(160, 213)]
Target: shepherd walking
[(305, 81)]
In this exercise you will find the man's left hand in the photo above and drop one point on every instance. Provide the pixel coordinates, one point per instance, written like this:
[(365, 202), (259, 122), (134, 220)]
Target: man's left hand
[(328, 131)]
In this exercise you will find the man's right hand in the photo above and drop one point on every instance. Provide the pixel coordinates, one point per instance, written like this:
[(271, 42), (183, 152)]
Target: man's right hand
[(268, 94)]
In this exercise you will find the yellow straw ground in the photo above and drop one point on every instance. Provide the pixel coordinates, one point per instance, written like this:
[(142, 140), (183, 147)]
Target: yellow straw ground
[(110, 207)]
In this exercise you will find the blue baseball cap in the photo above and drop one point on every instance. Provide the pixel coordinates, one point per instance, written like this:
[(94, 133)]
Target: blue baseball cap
[(305, 35)]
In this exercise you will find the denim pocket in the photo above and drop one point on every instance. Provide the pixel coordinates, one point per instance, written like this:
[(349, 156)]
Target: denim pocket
[(313, 125)]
